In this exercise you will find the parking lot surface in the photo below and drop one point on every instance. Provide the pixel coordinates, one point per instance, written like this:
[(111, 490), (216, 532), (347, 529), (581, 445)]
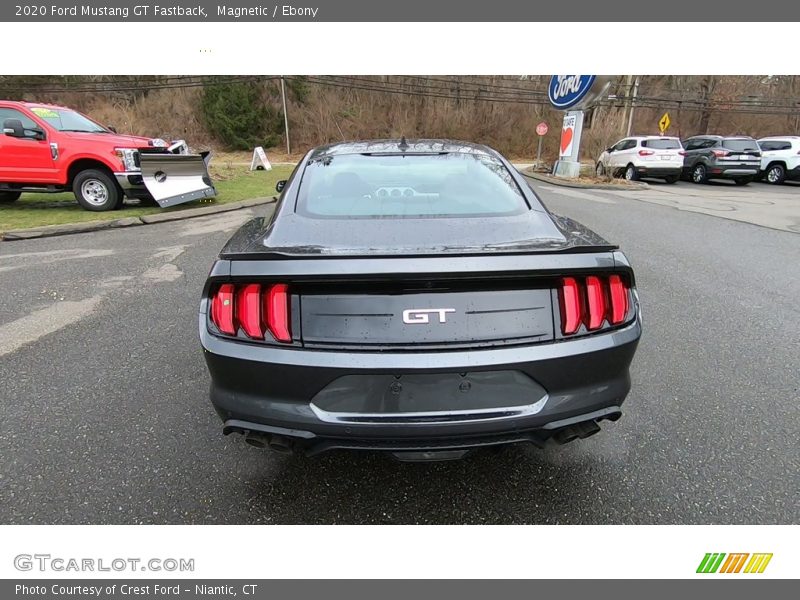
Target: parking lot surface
[(106, 417)]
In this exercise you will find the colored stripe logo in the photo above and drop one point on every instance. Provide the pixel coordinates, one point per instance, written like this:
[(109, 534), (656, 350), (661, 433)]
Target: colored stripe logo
[(737, 562)]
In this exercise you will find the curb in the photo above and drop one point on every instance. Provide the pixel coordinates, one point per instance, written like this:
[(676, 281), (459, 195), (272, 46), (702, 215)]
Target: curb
[(178, 215), (630, 187)]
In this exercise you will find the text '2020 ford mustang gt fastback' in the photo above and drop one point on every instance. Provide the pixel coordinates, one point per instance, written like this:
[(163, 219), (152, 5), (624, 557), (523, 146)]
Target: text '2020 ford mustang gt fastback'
[(416, 297)]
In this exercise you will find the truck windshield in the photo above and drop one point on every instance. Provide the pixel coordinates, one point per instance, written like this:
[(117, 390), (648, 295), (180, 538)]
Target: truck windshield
[(67, 120), (408, 185)]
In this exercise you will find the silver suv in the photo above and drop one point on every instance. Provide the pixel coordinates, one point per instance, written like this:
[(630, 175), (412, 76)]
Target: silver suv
[(780, 158), (719, 157)]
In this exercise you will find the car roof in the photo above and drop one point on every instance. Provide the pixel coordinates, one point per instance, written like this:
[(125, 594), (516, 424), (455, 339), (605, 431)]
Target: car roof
[(27, 104), (778, 138), (651, 137), (714, 136), (411, 146)]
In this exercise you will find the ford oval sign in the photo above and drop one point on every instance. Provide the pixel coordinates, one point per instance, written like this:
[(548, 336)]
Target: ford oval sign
[(566, 91)]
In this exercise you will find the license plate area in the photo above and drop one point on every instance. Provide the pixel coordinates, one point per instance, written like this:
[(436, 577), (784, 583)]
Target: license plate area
[(429, 397)]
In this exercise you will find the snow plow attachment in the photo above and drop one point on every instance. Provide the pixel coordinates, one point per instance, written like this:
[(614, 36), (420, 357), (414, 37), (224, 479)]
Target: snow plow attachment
[(177, 178)]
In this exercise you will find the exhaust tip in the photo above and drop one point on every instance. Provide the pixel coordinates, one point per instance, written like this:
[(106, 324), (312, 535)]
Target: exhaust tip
[(587, 429), (581, 430), (280, 444), (256, 441)]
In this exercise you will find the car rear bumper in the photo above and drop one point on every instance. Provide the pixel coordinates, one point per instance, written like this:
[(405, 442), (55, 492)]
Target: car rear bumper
[(716, 171), (319, 400), (659, 171)]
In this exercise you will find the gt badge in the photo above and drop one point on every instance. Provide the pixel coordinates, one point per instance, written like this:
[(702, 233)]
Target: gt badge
[(421, 316)]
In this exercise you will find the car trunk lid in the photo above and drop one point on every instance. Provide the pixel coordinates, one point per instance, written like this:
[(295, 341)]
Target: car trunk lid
[(302, 237), (426, 313)]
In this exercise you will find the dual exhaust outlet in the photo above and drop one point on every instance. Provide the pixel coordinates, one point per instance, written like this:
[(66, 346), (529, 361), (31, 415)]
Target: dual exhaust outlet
[(278, 443)]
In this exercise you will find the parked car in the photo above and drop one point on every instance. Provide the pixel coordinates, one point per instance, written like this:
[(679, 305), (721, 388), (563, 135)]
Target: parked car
[(780, 158), (721, 157), (643, 156), (50, 149), (416, 297)]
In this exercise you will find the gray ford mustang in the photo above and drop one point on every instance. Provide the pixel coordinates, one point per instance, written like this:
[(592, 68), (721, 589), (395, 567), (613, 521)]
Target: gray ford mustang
[(416, 297)]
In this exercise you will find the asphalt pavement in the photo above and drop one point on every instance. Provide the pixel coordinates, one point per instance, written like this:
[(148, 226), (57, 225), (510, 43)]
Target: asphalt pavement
[(106, 419)]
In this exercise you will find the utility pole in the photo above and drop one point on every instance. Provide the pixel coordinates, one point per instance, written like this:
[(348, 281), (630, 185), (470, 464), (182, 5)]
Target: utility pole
[(285, 116), (626, 107), (633, 106)]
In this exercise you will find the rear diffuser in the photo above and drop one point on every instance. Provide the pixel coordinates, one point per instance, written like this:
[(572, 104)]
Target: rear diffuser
[(177, 178)]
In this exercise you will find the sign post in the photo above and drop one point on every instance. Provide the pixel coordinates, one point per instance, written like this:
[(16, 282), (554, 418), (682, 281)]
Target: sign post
[(573, 93), (541, 131)]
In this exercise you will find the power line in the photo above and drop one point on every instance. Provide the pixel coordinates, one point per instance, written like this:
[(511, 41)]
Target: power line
[(461, 89), (101, 87)]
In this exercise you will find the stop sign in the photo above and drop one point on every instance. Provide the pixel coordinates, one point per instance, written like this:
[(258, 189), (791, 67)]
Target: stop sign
[(541, 128)]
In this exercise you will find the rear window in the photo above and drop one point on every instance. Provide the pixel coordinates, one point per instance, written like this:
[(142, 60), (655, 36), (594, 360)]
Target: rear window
[(775, 145), (664, 144), (740, 145), (396, 186)]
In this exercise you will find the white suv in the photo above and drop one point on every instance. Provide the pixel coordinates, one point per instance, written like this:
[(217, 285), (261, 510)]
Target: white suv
[(780, 158), (643, 156)]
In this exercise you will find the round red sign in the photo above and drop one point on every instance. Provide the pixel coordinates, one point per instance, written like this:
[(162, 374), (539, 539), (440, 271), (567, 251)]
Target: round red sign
[(542, 128)]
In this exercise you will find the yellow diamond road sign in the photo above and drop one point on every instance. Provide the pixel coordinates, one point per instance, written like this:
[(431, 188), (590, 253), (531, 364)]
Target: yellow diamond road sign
[(663, 124)]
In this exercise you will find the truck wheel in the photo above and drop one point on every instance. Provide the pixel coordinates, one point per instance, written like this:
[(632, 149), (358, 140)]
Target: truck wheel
[(775, 174), (96, 190), (9, 196)]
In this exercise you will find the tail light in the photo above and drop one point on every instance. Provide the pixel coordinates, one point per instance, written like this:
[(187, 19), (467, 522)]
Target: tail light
[(571, 313), (645, 152), (682, 152), (618, 292), (720, 153), (277, 309), (222, 309), (596, 295), (593, 301), (256, 309), (248, 310)]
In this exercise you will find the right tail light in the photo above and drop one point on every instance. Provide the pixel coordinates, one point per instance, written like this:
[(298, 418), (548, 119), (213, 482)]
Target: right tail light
[(595, 301)]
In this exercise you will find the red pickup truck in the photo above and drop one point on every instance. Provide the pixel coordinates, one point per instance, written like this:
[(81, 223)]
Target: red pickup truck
[(47, 148)]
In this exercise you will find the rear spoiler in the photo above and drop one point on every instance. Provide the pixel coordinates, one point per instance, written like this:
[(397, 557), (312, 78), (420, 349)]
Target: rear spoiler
[(177, 178)]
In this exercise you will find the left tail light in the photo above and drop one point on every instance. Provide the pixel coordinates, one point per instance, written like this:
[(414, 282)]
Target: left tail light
[(595, 302), (254, 309), (646, 152), (222, 310)]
